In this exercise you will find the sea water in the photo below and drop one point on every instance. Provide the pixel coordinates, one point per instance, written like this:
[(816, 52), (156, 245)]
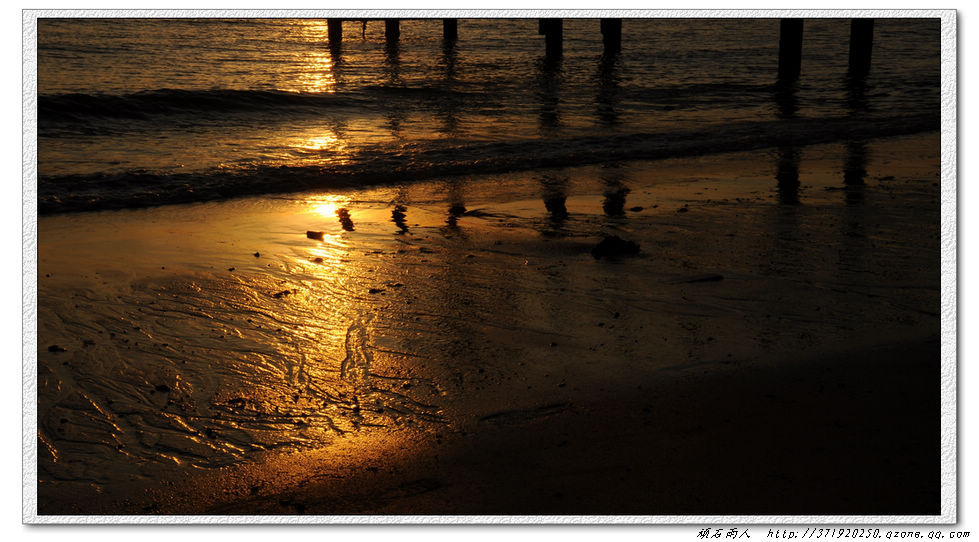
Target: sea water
[(136, 112)]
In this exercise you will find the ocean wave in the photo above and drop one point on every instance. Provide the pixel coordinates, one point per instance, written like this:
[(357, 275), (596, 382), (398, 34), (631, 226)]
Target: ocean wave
[(149, 103), (84, 108), (70, 193)]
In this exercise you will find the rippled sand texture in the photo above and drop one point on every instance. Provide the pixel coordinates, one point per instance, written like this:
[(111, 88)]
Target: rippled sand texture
[(180, 339)]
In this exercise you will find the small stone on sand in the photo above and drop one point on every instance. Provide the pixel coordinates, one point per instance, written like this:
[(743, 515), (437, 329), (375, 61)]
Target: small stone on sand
[(613, 247)]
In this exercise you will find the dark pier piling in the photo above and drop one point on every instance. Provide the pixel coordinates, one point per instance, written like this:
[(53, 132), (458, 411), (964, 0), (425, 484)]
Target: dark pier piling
[(861, 45), (553, 32), (392, 30), (334, 31), (450, 30), (612, 35), (789, 50)]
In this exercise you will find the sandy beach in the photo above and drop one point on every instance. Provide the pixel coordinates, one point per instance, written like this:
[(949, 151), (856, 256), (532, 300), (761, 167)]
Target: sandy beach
[(459, 346)]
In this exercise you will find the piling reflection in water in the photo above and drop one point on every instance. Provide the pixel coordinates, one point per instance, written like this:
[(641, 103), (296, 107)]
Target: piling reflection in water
[(392, 62), (549, 83), (554, 190), (448, 108), (392, 73), (855, 171), (398, 215), (345, 222), (457, 204), (613, 204), (786, 101), (607, 100), (787, 175)]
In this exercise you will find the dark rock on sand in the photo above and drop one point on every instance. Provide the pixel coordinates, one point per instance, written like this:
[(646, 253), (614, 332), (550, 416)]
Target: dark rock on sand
[(614, 247), (56, 348), (318, 235)]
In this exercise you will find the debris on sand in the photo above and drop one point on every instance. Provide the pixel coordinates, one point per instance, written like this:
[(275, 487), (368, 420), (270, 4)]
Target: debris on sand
[(614, 247), (318, 235), (375, 290), (56, 348), (283, 293), (162, 388), (257, 254)]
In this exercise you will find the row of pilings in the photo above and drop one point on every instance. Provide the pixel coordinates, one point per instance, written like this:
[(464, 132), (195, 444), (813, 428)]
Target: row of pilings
[(551, 29), (789, 43)]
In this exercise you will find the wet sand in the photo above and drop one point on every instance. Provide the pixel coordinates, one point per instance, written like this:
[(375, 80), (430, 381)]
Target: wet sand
[(455, 347)]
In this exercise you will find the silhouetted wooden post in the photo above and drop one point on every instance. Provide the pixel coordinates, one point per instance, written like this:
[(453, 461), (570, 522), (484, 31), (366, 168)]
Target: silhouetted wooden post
[(612, 35), (334, 31), (450, 30), (861, 45), (392, 29), (789, 50), (553, 30)]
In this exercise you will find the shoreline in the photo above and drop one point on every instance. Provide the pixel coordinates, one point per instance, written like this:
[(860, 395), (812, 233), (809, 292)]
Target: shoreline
[(477, 324), (478, 159)]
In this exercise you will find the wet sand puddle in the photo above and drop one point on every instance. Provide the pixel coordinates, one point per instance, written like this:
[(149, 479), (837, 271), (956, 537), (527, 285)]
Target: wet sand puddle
[(451, 306)]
